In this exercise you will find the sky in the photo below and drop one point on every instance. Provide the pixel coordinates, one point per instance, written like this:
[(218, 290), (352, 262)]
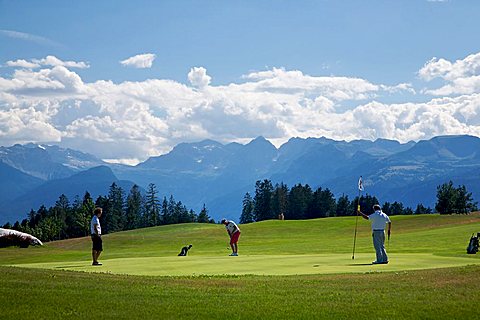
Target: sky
[(127, 80)]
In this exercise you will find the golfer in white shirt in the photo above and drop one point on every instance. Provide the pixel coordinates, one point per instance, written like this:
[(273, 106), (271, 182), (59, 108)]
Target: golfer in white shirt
[(379, 221)]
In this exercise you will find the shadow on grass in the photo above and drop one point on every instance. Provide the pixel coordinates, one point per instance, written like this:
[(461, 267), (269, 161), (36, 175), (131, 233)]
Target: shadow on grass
[(360, 264)]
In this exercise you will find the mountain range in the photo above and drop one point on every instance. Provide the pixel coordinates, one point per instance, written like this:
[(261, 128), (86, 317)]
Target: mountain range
[(218, 175)]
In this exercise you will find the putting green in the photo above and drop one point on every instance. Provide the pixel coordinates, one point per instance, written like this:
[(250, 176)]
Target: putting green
[(260, 264)]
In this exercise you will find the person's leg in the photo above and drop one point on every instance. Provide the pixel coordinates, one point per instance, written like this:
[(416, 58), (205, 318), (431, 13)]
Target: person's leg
[(235, 248), (383, 252), (377, 245), (235, 238), (96, 249)]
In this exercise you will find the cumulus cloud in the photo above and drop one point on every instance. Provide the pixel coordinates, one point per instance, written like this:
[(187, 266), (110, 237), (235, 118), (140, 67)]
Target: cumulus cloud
[(51, 61), (447, 70), (54, 61), (54, 82), (22, 64), (141, 61), (198, 77), (135, 120), (460, 77)]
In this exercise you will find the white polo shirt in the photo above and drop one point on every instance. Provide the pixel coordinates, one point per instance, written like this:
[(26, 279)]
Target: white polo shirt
[(231, 227), (95, 221), (379, 220)]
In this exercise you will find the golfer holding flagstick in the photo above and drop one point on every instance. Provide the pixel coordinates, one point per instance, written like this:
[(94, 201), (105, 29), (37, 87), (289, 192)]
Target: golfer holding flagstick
[(379, 221)]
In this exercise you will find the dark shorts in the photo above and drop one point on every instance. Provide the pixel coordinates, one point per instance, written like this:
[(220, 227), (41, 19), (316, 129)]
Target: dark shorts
[(97, 244)]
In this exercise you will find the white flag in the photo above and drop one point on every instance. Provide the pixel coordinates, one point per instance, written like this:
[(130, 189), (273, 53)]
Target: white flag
[(360, 184)]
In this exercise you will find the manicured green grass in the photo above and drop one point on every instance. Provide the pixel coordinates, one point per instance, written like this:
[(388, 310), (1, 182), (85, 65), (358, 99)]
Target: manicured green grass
[(286, 269), (269, 247)]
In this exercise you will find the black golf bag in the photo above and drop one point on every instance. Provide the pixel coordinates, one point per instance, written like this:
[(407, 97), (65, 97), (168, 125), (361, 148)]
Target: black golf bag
[(184, 250), (473, 244)]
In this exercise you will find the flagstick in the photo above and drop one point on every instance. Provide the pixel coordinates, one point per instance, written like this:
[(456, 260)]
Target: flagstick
[(356, 223), (356, 218)]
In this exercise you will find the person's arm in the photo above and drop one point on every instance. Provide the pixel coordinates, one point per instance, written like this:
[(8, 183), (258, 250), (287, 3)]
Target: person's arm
[(389, 228), (95, 228), (363, 215)]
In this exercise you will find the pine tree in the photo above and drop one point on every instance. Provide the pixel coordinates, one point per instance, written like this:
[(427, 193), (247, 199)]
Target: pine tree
[(247, 210), (60, 212), (152, 206), (165, 216), (322, 205), (134, 208), (263, 200), (203, 215), (445, 198), (299, 200), (115, 219), (280, 199), (454, 200), (343, 206), (422, 210)]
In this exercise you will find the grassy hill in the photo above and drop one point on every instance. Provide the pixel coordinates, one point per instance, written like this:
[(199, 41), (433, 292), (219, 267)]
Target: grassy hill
[(265, 246)]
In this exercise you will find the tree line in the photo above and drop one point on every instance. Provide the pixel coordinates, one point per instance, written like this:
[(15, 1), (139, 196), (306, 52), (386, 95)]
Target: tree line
[(120, 212), (302, 202)]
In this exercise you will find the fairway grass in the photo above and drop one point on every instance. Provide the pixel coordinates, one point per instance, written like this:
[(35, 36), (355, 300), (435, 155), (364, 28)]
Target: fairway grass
[(271, 265)]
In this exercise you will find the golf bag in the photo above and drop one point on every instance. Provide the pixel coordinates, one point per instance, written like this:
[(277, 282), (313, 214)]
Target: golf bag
[(184, 251), (473, 244)]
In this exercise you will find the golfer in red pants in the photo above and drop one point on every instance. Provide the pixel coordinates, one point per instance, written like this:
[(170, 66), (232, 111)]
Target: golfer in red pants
[(234, 233)]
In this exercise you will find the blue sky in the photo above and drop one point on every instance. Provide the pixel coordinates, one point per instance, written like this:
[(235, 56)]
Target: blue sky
[(129, 79)]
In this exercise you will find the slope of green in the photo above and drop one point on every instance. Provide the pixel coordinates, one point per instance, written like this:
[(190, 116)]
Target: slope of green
[(268, 247)]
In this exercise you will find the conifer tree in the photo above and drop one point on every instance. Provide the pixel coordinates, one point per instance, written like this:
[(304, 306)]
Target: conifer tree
[(152, 206), (247, 210), (263, 200), (133, 212), (203, 215)]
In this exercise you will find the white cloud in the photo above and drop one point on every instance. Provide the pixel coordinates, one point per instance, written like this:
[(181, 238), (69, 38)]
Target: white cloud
[(135, 120), (460, 77), (55, 82), (26, 124), (441, 68), (54, 61), (22, 64), (140, 61), (198, 77), (50, 61)]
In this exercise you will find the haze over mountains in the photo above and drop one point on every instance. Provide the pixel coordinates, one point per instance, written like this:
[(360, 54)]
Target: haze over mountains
[(219, 175)]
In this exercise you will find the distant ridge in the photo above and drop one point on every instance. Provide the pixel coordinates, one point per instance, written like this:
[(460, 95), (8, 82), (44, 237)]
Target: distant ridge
[(218, 175)]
